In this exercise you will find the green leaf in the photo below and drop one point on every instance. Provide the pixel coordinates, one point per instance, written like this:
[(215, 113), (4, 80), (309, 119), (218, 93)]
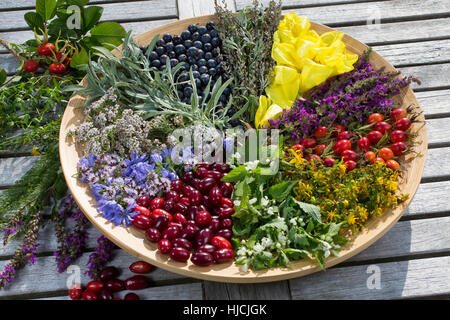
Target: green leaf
[(237, 174), (278, 224), (91, 16), (3, 76), (310, 209), (282, 190), (34, 21), (46, 9), (108, 32), (296, 254), (79, 59), (80, 3)]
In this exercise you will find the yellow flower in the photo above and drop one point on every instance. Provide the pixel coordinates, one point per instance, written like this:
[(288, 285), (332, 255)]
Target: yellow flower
[(304, 60), (35, 152), (351, 219)]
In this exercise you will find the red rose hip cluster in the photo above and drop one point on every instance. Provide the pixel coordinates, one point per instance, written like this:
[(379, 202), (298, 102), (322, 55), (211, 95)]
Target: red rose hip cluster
[(193, 220)]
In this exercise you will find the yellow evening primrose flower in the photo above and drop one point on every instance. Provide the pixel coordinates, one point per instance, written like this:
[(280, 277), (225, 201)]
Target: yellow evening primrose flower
[(304, 60)]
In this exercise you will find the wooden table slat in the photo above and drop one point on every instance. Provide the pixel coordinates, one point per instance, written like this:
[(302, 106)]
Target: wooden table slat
[(120, 12)]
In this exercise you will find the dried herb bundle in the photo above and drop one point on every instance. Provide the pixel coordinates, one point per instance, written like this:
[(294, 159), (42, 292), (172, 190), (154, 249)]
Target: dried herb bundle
[(247, 44)]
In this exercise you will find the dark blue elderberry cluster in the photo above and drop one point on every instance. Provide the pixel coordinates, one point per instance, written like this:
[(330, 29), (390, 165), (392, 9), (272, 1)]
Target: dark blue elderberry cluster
[(197, 48)]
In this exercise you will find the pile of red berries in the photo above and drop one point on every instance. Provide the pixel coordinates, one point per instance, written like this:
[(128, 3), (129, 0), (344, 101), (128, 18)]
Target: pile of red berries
[(193, 220), (373, 146), (108, 283)]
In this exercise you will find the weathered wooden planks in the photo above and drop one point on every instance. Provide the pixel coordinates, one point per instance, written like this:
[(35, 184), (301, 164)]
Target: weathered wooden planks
[(50, 280), (121, 12), (430, 199), (261, 291), (12, 169), (195, 8), (188, 291), (402, 279)]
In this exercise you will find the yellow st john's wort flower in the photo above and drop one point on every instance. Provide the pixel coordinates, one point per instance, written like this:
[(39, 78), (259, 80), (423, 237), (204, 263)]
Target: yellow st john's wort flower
[(35, 152)]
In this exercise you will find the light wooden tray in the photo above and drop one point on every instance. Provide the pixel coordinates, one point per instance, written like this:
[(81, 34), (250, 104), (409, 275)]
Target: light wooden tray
[(133, 240)]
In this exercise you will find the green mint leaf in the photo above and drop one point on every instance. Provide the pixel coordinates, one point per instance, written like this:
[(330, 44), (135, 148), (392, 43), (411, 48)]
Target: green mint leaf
[(237, 174), (281, 190), (310, 209)]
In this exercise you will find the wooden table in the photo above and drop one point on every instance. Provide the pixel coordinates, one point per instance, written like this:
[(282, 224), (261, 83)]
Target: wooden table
[(410, 261)]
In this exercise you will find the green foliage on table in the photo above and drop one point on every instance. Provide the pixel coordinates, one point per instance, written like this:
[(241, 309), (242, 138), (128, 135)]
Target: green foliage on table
[(71, 20)]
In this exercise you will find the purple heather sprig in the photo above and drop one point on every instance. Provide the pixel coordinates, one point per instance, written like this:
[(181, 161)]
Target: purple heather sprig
[(102, 254), (347, 99)]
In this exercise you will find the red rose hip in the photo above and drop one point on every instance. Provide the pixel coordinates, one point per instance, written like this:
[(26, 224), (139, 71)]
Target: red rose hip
[(137, 282), (202, 259)]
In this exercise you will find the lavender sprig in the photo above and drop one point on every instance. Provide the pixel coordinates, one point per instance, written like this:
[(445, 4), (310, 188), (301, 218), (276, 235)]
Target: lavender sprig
[(102, 254)]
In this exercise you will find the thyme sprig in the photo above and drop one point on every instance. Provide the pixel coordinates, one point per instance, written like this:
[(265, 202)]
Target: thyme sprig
[(247, 45)]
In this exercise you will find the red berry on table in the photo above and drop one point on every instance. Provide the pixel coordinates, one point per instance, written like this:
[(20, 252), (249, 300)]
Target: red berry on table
[(142, 210), (350, 165), (398, 136), (158, 203), (142, 222), (137, 282), (319, 149), (337, 128), (164, 245), (342, 145), (180, 254), (374, 136), (108, 273), (383, 127), (89, 295), (202, 259), (398, 114), (377, 159), (314, 157), (115, 285), (104, 294), (321, 132), (402, 124), (157, 212), (131, 296), (386, 154), (398, 148), (223, 255), (392, 164), (75, 291), (308, 142), (349, 155), (94, 286), (344, 135), (46, 49), (57, 68), (31, 66), (140, 267), (364, 143), (374, 118), (144, 201), (370, 156), (220, 242), (203, 218), (328, 162), (298, 147)]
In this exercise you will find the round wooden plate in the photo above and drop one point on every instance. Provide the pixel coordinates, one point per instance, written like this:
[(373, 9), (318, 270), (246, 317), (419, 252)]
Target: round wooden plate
[(133, 241)]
